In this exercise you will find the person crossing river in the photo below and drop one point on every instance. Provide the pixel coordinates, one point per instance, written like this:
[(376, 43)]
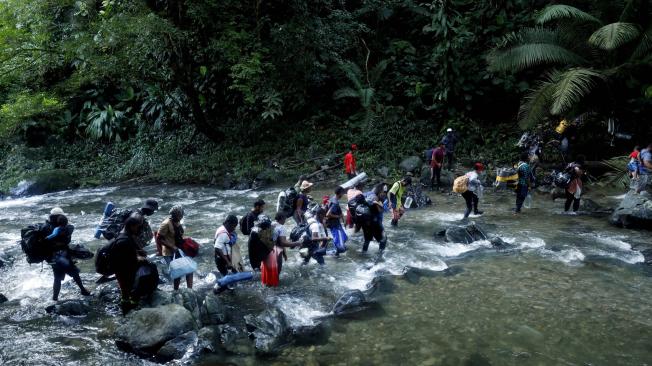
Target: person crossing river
[(396, 194)]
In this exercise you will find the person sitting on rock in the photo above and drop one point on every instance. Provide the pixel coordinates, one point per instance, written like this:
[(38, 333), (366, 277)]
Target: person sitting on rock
[(59, 237), (125, 259)]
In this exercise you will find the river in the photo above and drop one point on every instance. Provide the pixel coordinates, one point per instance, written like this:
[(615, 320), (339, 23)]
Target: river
[(570, 290)]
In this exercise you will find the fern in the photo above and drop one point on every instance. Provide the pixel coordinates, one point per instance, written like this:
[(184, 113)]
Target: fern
[(530, 55), (571, 86), (564, 12), (614, 35), (536, 105)]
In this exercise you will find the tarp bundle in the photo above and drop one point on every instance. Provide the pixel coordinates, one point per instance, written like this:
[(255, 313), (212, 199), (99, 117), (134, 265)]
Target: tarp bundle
[(506, 178)]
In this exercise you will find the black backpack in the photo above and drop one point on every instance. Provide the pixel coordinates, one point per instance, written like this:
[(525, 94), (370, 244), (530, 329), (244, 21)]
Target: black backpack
[(103, 259), (363, 213), (428, 155), (146, 280), (244, 224), (299, 232), (33, 243), (291, 196), (112, 225)]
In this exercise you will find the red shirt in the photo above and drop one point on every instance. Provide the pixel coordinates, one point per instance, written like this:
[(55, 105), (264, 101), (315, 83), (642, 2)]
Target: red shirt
[(634, 154), (349, 163), (437, 157)]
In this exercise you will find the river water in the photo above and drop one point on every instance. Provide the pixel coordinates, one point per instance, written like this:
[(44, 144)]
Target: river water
[(570, 290)]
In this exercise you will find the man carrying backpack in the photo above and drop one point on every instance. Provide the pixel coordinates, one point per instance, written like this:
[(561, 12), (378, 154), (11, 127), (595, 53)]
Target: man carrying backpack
[(334, 219), (248, 221), (524, 181), (474, 190), (301, 203), (574, 189), (125, 259), (372, 228)]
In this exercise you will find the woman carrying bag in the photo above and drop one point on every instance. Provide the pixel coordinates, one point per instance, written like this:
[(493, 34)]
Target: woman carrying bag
[(171, 237)]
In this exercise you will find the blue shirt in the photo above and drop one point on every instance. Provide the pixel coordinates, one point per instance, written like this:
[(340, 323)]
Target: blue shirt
[(335, 209), (646, 155), (523, 173), (449, 140)]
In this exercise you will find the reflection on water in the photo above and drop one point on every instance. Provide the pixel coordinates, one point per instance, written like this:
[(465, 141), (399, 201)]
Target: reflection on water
[(567, 290)]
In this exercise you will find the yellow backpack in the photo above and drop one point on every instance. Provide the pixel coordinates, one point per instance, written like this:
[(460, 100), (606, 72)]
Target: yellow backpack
[(461, 184)]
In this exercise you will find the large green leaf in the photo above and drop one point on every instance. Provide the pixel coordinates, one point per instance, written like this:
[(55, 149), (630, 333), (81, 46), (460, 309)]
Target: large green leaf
[(346, 93), (562, 12), (645, 45), (530, 55), (571, 86), (614, 35), (536, 105)]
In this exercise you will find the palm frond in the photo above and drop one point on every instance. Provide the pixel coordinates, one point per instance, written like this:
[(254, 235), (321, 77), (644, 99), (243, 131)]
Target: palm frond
[(614, 35), (536, 105), (571, 86), (346, 93), (618, 174), (644, 46), (376, 72), (564, 12), (525, 56)]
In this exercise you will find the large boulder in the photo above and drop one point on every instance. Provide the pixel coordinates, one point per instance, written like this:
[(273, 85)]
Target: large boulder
[(419, 199), (44, 181), (410, 164), (634, 211), (383, 171), (190, 300), (212, 311), (350, 302), (3, 298), (270, 331), (465, 234), (69, 308), (146, 330), (178, 347)]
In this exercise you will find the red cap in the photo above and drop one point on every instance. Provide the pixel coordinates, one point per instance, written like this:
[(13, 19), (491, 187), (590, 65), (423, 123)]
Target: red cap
[(478, 166), (354, 147)]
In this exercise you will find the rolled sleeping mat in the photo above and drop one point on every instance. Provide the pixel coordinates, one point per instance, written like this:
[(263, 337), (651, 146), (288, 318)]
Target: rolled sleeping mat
[(506, 177), (280, 201), (107, 211), (234, 278), (354, 181)]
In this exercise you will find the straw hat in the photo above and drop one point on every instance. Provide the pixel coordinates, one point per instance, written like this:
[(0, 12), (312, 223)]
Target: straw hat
[(305, 185)]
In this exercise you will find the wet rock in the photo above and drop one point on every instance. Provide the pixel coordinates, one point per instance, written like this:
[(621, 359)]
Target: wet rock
[(177, 347), (647, 256), (146, 330), (383, 171), (498, 242), (212, 311), (190, 300), (306, 335), (412, 275), (634, 211), (466, 234), (557, 193), (268, 176), (3, 299), (207, 339), (44, 181), (349, 302), (477, 359), (229, 338), (108, 293), (69, 308), (157, 298), (270, 331), (410, 164), (242, 185)]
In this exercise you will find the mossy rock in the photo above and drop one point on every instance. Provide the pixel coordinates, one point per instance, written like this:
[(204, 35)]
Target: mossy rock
[(44, 181)]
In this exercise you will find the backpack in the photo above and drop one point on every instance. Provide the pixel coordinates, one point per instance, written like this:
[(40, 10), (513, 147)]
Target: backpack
[(146, 280), (103, 259), (461, 184), (291, 196), (562, 179), (300, 232), (244, 225), (32, 241), (112, 224), (363, 213)]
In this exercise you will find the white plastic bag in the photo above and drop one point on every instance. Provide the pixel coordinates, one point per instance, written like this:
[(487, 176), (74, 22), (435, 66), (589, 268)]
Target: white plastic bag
[(181, 266), (528, 201)]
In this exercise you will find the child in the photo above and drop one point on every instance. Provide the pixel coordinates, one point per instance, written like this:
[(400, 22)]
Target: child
[(634, 163)]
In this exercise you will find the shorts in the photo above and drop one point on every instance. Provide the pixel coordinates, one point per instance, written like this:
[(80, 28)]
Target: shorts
[(633, 166)]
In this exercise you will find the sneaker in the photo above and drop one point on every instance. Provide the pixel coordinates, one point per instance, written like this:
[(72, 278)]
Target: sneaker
[(478, 213)]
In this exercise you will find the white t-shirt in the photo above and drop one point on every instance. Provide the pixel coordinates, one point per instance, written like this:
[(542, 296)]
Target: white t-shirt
[(279, 230), (317, 228), (223, 241)]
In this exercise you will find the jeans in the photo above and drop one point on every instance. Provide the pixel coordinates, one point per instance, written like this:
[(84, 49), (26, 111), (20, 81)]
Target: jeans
[(450, 156), (521, 194), (435, 175), (471, 203)]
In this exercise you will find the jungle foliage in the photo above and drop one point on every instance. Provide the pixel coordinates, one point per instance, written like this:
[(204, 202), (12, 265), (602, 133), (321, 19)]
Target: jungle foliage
[(300, 76)]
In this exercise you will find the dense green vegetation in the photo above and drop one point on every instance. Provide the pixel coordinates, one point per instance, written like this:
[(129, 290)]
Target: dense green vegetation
[(191, 90)]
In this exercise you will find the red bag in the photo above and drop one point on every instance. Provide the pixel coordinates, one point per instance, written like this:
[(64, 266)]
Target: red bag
[(190, 247)]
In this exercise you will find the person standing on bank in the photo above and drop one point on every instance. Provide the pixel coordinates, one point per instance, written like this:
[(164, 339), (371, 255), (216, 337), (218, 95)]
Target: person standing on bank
[(349, 162), (171, 234), (436, 164), (524, 181), (449, 141)]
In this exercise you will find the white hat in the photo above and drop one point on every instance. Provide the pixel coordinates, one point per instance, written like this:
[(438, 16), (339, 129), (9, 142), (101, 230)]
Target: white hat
[(305, 185), (56, 211), (449, 130)]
